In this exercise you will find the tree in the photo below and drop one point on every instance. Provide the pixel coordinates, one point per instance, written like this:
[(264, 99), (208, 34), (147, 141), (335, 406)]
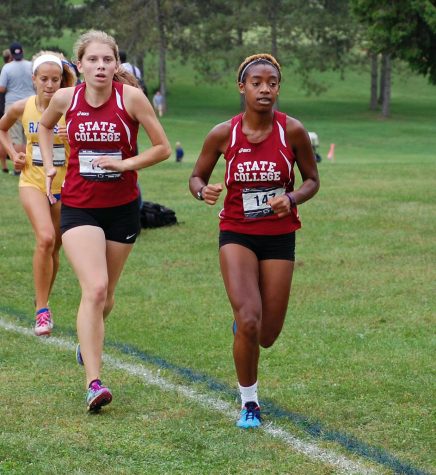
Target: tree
[(311, 36), (30, 22), (404, 29), (155, 27), (374, 75), (215, 38), (134, 33)]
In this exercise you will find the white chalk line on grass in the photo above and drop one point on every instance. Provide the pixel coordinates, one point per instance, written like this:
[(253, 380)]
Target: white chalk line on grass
[(311, 450)]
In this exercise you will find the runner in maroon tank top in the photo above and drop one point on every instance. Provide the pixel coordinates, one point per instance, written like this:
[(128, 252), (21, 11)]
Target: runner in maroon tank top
[(259, 218), (100, 210)]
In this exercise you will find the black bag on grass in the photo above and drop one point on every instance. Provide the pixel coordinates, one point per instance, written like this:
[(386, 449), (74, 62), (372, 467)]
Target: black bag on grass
[(154, 215)]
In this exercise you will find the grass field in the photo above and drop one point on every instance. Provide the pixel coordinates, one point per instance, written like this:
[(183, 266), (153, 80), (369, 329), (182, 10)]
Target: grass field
[(352, 375)]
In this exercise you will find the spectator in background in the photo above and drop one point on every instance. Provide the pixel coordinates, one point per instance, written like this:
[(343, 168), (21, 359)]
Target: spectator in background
[(179, 152), (158, 103), (16, 83), (7, 58), (129, 67), (134, 70)]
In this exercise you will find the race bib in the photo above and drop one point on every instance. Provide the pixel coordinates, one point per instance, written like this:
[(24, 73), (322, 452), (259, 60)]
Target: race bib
[(96, 173), (254, 201), (58, 155)]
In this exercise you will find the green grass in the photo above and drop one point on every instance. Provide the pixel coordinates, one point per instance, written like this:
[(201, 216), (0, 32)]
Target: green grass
[(357, 350)]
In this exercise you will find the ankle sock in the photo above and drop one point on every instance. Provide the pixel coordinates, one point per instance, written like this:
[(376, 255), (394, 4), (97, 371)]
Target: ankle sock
[(42, 310), (248, 393), (94, 381)]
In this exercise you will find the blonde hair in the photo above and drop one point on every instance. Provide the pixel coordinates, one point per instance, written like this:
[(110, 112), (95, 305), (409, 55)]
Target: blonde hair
[(68, 76), (261, 58), (99, 36)]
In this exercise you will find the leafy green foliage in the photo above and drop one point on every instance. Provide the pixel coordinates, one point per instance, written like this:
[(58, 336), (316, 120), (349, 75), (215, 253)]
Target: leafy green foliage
[(403, 28), (30, 22)]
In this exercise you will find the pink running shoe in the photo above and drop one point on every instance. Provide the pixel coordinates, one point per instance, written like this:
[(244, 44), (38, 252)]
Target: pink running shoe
[(97, 396), (43, 323)]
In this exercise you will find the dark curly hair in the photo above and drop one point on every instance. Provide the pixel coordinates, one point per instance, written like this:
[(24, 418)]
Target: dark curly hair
[(261, 58)]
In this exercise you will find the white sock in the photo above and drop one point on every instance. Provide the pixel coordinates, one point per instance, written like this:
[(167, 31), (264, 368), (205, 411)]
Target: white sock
[(248, 393)]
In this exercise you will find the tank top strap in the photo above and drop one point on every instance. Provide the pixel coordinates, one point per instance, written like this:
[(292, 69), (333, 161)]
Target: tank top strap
[(235, 133), (280, 117), (280, 120)]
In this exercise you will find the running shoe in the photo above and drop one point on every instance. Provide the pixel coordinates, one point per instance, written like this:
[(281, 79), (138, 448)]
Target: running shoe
[(97, 396), (79, 358), (43, 323), (250, 416)]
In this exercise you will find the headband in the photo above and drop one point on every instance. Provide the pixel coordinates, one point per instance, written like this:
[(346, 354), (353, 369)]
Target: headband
[(258, 60), (46, 58)]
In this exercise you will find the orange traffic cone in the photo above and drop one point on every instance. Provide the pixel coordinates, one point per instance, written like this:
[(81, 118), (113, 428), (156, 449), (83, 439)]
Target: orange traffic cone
[(331, 154)]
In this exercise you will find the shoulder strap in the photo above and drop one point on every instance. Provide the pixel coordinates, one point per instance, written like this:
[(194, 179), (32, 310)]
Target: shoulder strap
[(234, 125)]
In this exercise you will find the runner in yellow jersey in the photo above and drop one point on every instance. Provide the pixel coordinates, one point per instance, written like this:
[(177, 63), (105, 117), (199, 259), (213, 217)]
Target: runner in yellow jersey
[(50, 73)]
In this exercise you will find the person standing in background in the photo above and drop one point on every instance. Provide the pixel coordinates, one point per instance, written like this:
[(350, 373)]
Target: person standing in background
[(16, 82), (134, 71), (180, 153), (158, 103), (7, 58)]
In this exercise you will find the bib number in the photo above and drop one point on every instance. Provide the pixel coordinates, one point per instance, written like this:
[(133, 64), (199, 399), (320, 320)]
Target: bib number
[(96, 173), (58, 155), (255, 201)]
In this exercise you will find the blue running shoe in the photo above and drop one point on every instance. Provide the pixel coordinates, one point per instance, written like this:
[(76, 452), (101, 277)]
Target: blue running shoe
[(79, 358), (97, 396), (250, 416)]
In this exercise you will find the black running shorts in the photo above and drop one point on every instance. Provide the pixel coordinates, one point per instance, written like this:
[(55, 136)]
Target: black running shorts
[(281, 246), (119, 223)]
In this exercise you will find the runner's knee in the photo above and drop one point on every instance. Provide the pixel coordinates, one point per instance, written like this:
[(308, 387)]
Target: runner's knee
[(96, 292), (248, 320), (46, 241)]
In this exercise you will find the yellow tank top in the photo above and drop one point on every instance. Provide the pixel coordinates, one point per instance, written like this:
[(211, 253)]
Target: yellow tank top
[(33, 173)]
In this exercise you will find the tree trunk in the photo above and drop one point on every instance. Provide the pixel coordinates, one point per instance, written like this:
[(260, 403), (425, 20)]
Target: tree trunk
[(162, 49), (140, 63), (382, 78), (387, 90), (374, 65), (274, 48), (240, 33)]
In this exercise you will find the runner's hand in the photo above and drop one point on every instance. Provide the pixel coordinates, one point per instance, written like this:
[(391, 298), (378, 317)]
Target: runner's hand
[(49, 177), (280, 205), (211, 193), (19, 160), (62, 133), (109, 163)]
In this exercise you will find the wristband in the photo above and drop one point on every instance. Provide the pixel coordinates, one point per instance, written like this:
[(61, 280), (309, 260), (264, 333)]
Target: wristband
[(292, 200), (200, 194)]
